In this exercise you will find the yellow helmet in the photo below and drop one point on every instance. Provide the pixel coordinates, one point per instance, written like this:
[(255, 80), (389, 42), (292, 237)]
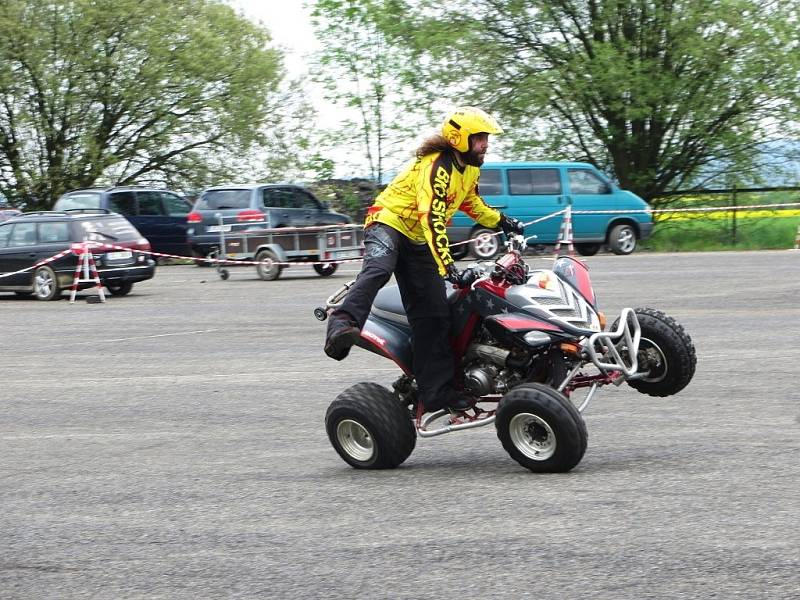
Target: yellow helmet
[(465, 121)]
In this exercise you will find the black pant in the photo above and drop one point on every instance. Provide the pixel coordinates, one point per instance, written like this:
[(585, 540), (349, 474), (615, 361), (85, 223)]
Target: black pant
[(422, 289)]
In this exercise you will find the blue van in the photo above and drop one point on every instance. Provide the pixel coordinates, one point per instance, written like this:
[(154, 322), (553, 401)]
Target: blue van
[(530, 190), (158, 214)]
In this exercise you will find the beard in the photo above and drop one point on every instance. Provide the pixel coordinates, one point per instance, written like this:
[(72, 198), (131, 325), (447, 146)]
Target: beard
[(475, 159)]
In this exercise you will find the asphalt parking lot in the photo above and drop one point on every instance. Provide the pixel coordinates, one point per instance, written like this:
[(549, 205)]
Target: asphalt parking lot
[(170, 444)]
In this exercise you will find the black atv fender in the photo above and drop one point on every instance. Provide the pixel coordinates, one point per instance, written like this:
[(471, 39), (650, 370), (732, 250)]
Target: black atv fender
[(387, 339)]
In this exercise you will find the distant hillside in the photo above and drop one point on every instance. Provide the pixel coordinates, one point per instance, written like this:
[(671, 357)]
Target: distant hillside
[(778, 165)]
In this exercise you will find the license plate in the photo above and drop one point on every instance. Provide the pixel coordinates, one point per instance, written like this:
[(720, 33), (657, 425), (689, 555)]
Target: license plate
[(342, 254), (213, 228), (118, 255)]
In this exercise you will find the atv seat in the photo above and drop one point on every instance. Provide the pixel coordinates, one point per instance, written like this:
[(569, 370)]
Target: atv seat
[(389, 305)]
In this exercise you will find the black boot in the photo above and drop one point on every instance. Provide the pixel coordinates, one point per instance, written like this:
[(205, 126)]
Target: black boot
[(455, 403), (342, 334)]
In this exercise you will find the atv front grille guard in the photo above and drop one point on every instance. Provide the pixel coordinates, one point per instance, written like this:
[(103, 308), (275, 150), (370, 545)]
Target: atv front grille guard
[(617, 350), (614, 353)]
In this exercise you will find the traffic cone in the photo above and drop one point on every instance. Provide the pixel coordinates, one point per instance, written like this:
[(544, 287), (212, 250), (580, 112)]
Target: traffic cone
[(565, 233)]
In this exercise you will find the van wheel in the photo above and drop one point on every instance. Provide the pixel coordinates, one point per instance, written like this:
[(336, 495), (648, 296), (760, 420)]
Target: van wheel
[(587, 249), (325, 269), (622, 239), (485, 244)]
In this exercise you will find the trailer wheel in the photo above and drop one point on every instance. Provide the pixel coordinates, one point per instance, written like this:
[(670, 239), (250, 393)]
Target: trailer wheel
[(269, 267), (325, 269)]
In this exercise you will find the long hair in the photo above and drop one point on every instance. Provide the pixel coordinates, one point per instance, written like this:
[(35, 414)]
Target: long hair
[(434, 143)]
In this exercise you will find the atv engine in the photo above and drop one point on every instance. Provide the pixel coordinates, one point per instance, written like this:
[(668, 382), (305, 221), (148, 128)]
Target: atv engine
[(490, 369)]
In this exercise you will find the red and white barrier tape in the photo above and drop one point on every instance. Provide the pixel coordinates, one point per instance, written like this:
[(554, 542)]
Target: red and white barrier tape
[(101, 246), (37, 265)]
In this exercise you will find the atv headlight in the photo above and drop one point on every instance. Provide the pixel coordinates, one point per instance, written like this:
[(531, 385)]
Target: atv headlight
[(537, 338)]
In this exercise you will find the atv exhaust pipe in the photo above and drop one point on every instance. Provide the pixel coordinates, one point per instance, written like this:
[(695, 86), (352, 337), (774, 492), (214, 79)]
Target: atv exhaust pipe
[(492, 354)]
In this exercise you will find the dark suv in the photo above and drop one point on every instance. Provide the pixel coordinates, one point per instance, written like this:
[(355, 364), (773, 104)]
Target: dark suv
[(160, 215), (273, 205), (30, 238)]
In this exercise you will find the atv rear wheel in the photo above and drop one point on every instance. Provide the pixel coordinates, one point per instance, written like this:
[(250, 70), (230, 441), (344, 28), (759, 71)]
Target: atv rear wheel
[(666, 354), (369, 427), (541, 429)]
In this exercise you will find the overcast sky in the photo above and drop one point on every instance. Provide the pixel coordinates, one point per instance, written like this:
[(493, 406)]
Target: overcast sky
[(290, 25)]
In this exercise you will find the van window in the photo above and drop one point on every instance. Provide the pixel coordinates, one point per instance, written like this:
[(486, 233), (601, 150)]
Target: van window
[(54, 232), (150, 203), (78, 200), (533, 182), (489, 184), (122, 202), (175, 205), (222, 199), (582, 181)]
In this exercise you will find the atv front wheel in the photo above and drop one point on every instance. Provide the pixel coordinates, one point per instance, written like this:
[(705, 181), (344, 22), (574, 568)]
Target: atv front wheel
[(541, 429), (666, 354), (369, 428)]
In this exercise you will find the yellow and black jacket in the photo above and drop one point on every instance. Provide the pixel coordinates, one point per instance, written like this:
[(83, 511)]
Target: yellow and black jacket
[(420, 201)]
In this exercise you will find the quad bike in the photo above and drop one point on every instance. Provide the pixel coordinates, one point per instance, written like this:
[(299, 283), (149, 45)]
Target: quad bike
[(525, 342)]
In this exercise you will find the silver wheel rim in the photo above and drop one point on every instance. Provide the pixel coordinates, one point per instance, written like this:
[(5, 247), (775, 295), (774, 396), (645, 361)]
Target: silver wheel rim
[(267, 266), (655, 356), (355, 440), (626, 240), (532, 436), (43, 283), (485, 244)]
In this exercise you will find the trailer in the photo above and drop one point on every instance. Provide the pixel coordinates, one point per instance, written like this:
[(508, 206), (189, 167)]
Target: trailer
[(273, 249)]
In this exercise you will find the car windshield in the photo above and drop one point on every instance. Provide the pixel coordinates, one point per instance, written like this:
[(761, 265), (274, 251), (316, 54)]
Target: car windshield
[(103, 230), (81, 200), (222, 199)]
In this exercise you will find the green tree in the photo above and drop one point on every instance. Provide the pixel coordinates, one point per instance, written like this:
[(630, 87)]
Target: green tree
[(360, 71), (659, 92), (125, 91)]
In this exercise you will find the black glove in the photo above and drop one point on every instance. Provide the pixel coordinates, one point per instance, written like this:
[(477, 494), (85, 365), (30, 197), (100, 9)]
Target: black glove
[(511, 225), (462, 279)]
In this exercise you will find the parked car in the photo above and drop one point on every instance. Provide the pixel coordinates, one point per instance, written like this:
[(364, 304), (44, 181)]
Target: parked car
[(29, 238), (160, 215), (530, 190), (272, 205), (7, 213)]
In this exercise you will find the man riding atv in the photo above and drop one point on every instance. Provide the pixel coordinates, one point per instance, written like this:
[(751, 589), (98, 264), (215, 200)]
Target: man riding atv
[(406, 235)]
